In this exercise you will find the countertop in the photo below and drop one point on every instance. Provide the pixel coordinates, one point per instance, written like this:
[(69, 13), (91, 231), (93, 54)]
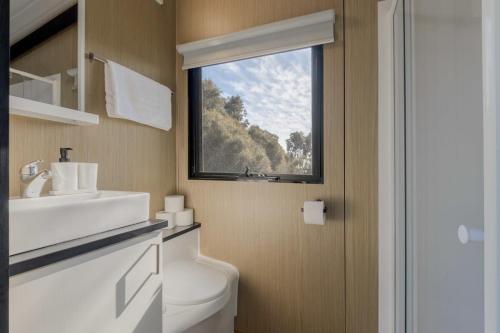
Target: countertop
[(178, 231), (27, 261), (30, 260)]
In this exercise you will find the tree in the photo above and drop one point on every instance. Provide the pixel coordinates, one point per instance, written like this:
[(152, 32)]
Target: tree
[(299, 148), (270, 143), (227, 146), (230, 145), (212, 96), (235, 108)]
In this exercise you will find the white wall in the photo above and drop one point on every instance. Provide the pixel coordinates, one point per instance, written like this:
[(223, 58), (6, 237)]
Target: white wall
[(445, 164)]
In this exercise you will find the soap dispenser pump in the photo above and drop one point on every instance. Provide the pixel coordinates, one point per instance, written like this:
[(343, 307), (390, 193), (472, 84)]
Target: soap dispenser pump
[(64, 174), (64, 154)]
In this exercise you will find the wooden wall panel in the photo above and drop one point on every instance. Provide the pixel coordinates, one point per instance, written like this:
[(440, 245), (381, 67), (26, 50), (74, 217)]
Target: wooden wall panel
[(138, 34), (361, 166), (292, 275)]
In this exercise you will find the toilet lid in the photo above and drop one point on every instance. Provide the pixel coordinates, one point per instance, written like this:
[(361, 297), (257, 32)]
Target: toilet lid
[(188, 282)]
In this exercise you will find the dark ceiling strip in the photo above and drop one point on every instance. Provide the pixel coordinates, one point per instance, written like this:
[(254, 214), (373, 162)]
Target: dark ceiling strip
[(49, 29)]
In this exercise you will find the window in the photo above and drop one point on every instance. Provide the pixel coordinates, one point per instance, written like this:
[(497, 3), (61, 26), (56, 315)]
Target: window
[(258, 119)]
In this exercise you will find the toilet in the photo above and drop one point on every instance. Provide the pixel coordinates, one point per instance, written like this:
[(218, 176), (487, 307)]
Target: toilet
[(199, 293)]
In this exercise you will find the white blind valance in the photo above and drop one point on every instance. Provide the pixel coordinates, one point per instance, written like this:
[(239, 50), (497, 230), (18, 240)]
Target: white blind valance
[(291, 34)]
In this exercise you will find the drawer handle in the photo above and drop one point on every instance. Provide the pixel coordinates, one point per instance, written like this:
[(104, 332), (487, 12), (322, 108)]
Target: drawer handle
[(158, 263)]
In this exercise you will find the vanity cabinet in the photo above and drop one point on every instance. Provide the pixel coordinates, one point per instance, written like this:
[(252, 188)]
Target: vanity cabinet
[(113, 289)]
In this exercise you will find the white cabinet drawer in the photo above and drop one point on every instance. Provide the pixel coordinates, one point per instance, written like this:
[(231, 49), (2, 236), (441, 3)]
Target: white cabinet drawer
[(114, 289)]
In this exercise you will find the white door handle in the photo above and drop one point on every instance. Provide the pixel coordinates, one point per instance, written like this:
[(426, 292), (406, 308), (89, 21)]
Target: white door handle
[(467, 235)]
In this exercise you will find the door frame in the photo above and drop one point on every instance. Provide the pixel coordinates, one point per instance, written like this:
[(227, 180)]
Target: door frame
[(4, 164), (386, 159), (391, 167), (491, 133)]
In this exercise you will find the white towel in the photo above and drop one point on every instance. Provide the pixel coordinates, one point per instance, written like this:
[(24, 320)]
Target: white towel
[(132, 96)]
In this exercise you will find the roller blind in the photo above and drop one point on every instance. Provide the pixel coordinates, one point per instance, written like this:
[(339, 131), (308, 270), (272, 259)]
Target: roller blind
[(291, 34)]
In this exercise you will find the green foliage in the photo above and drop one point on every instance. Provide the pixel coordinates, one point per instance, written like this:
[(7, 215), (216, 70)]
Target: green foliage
[(235, 108), (270, 143), (299, 148), (229, 145), (212, 96)]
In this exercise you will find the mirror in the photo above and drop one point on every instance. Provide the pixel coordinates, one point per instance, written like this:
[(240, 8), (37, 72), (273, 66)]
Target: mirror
[(47, 54)]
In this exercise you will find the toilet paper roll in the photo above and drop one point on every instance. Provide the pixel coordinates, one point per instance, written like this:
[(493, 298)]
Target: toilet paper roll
[(170, 217), (174, 203), (184, 218), (314, 212)]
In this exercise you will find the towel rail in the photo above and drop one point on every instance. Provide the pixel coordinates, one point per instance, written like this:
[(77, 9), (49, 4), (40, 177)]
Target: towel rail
[(91, 56)]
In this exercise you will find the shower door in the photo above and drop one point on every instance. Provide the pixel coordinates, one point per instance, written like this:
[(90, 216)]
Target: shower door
[(444, 167), (439, 166)]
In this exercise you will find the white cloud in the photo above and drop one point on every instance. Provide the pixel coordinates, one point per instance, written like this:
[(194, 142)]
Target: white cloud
[(232, 67), (276, 90)]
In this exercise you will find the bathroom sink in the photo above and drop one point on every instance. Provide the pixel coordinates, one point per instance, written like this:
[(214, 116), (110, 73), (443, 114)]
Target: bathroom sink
[(39, 222)]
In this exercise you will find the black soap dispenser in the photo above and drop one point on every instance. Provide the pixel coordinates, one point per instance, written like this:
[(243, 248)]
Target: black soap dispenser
[(64, 154)]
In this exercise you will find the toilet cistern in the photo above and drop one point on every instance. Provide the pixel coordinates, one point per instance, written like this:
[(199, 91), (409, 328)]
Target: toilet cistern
[(32, 180)]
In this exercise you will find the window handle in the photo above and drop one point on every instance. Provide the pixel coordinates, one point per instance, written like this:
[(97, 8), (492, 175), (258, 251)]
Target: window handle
[(250, 174), (247, 175)]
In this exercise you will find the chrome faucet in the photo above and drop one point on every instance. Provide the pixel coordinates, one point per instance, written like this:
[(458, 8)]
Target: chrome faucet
[(32, 180)]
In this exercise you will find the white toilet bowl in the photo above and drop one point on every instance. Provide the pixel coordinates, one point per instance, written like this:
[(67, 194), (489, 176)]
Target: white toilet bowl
[(199, 293)]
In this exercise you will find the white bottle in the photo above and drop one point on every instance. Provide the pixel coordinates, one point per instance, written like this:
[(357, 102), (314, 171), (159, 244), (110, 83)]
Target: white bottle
[(64, 175)]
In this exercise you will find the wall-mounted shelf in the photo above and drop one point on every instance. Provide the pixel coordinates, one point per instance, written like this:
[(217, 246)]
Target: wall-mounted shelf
[(33, 109)]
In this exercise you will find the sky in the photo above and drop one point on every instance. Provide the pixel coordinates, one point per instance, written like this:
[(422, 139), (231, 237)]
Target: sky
[(276, 90)]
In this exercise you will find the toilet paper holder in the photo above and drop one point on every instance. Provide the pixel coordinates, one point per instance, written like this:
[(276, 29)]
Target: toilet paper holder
[(324, 209), (314, 212)]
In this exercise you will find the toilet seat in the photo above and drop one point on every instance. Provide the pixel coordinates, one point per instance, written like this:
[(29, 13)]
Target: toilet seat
[(190, 282), (180, 318), (194, 291)]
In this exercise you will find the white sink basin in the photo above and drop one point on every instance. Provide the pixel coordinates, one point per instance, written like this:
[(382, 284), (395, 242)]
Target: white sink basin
[(40, 222)]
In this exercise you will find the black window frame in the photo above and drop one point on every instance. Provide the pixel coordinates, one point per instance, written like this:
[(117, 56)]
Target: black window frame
[(195, 131)]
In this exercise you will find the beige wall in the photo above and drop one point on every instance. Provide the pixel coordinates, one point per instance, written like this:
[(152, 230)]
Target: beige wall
[(293, 277), (138, 34), (361, 105)]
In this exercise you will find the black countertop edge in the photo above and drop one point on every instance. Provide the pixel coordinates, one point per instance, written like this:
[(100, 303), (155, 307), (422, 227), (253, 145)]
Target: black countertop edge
[(178, 231), (24, 262)]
